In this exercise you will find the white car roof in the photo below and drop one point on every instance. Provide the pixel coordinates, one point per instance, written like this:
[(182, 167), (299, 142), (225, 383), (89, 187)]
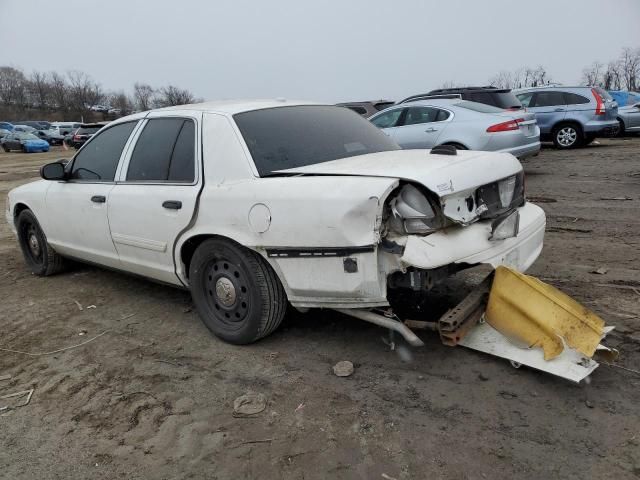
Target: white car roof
[(231, 107)]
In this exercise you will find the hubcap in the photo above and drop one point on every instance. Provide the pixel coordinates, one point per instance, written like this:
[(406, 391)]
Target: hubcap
[(34, 245), (567, 136), (225, 291)]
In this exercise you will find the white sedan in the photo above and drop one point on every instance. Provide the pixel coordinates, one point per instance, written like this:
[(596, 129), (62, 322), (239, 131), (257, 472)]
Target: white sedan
[(257, 205)]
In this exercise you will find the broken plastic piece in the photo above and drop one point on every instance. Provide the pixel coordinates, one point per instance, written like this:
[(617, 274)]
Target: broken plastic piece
[(524, 308), (568, 364)]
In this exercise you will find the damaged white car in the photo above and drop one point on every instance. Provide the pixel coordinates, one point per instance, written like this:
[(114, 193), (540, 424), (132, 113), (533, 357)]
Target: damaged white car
[(256, 205)]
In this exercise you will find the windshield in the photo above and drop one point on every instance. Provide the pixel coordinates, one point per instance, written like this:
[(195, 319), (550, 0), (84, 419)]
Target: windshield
[(289, 137)]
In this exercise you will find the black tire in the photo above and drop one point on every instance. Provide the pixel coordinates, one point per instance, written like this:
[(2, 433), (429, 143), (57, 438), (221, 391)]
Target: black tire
[(588, 139), (237, 294), (621, 130), (38, 254), (567, 136), (5, 148), (24, 149)]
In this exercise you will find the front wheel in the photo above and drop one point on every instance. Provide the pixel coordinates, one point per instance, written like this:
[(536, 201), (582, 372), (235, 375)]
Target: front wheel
[(567, 136), (237, 294), (5, 148), (40, 257), (621, 131)]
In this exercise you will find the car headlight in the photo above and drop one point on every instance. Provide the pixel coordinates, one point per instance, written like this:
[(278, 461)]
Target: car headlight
[(506, 188), (412, 213)]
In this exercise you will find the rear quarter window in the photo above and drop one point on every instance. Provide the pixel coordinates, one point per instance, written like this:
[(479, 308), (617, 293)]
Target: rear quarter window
[(575, 99)]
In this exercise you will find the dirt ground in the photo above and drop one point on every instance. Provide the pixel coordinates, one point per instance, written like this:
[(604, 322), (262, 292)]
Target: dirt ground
[(153, 397)]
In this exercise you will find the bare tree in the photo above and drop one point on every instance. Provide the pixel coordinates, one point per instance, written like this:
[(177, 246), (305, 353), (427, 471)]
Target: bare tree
[(593, 75), (172, 95), (121, 101), (521, 78), (630, 68), (503, 79), (612, 78), (59, 91), (83, 91), (12, 86), (143, 95), (450, 84), (40, 89)]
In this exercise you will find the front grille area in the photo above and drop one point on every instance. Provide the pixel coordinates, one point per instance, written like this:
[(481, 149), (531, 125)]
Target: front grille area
[(489, 195)]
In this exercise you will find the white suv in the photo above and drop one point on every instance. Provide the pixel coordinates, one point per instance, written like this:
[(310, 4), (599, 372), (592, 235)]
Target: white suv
[(255, 205)]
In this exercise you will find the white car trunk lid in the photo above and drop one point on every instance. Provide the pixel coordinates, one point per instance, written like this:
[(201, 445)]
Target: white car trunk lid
[(442, 174)]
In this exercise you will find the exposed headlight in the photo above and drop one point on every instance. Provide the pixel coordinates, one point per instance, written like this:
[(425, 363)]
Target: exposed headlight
[(505, 227), (506, 188), (412, 213)]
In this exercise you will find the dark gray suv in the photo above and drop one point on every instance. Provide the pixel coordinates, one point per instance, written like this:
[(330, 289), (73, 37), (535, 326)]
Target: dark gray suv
[(571, 116)]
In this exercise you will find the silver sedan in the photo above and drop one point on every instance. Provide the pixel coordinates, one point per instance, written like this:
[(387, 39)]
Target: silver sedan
[(629, 119), (463, 124)]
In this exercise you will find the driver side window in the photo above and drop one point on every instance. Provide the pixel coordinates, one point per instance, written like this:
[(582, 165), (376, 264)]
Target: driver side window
[(98, 160)]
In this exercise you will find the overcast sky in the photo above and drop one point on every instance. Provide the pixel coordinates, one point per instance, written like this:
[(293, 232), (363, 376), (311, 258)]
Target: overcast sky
[(329, 50)]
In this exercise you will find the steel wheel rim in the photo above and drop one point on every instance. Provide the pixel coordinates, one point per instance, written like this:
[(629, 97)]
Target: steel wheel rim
[(33, 242), (567, 136), (227, 292)]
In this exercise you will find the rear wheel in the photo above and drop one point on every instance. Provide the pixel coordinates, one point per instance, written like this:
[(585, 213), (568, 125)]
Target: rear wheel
[(237, 294), (588, 139), (621, 131), (5, 148), (24, 149), (567, 135), (40, 257)]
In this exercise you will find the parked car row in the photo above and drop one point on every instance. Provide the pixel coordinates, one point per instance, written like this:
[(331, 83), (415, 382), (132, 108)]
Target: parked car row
[(568, 116)]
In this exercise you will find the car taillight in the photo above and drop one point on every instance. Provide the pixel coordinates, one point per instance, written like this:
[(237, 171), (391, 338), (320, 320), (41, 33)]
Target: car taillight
[(600, 107), (505, 126)]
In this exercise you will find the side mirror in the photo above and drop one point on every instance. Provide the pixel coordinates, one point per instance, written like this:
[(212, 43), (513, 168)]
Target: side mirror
[(53, 171)]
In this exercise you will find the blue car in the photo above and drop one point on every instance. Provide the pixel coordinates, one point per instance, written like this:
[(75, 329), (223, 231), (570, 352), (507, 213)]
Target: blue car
[(26, 142), (621, 97), (6, 126), (571, 116)]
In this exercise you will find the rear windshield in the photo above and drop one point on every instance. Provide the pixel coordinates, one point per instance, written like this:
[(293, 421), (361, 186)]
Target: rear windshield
[(504, 100), (289, 137), (479, 107), (88, 130)]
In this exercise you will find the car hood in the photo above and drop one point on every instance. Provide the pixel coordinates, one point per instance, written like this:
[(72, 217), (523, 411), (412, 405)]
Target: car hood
[(444, 175)]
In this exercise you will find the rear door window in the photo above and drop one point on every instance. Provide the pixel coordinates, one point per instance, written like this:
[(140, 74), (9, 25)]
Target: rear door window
[(164, 152), (418, 115), (575, 99), (548, 99), (98, 159)]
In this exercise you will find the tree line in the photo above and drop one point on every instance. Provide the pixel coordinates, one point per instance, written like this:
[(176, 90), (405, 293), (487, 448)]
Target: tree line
[(621, 73), (74, 93)]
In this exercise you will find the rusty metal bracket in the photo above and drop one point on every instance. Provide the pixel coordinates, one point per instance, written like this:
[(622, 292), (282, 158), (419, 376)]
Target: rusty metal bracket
[(457, 322)]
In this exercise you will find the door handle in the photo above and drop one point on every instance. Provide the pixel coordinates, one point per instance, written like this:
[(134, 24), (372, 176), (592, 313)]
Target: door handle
[(559, 109), (172, 204), (98, 199), (428, 130)]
